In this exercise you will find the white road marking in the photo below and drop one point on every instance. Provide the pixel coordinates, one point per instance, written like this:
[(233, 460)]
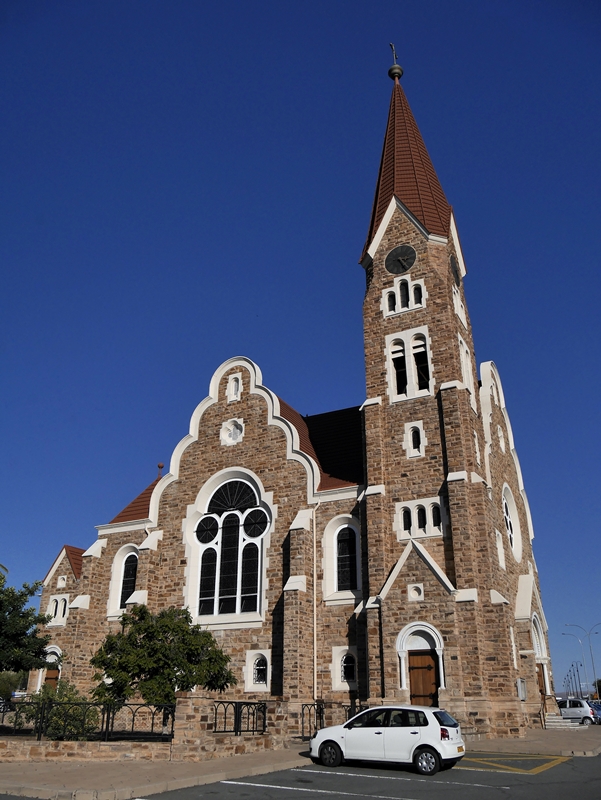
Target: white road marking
[(395, 778), (317, 791)]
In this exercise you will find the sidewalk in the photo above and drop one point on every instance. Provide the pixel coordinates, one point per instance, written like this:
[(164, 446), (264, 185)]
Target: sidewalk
[(122, 780)]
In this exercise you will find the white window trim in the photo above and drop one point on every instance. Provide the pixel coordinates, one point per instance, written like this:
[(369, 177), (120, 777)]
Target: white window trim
[(330, 591), (407, 442), (396, 290), (113, 611), (61, 581), (338, 653), (431, 532), (406, 337), (248, 671), (232, 393), (53, 654), (500, 549), (467, 371), (516, 546), (459, 306), (58, 620), (193, 552), (477, 448)]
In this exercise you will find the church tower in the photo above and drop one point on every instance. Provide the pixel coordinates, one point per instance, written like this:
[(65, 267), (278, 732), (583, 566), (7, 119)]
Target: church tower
[(454, 614)]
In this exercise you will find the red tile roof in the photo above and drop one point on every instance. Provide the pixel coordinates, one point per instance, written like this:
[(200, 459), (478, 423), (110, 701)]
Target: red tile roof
[(138, 508), (407, 172), (74, 555)]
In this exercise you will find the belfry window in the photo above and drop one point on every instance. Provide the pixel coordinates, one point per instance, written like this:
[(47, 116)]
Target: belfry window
[(391, 301), (421, 518), (420, 357), (128, 584), (400, 367), (417, 295), (230, 536), (407, 520), (346, 560), (404, 292)]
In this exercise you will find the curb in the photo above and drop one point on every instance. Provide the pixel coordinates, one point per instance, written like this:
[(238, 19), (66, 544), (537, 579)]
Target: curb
[(44, 793)]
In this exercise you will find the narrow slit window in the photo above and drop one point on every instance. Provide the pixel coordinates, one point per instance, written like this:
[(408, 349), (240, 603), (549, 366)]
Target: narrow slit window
[(130, 571), (54, 611), (346, 546), (400, 367), (404, 289), (63, 608), (416, 440), (420, 358)]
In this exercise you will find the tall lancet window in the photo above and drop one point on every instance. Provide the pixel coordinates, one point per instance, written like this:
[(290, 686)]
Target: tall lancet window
[(230, 537), (400, 367), (128, 584)]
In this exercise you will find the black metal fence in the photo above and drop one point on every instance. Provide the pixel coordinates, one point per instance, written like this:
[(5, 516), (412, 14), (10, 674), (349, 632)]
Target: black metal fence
[(66, 720), (312, 718), (238, 717), (354, 708)]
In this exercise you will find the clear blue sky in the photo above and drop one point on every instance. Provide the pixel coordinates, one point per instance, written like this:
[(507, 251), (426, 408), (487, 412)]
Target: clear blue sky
[(187, 181)]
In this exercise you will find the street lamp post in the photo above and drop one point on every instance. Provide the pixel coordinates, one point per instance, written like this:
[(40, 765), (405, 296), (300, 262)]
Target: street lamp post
[(579, 682), (588, 634), (583, 658)]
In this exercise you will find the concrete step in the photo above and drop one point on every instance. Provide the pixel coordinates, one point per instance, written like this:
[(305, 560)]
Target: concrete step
[(554, 721)]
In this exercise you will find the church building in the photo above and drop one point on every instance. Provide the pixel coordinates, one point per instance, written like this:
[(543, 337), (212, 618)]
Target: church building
[(375, 554)]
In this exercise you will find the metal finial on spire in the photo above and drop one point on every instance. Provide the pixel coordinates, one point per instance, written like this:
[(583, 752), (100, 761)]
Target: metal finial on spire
[(160, 466), (396, 71)]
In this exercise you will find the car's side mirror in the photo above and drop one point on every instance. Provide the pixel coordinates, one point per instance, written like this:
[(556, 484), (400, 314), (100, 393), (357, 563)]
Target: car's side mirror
[(349, 725)]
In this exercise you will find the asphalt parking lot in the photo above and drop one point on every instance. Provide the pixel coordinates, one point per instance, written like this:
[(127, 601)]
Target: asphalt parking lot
[(479, 777)]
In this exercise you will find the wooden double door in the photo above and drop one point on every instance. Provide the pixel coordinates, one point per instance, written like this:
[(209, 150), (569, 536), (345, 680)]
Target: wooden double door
[(424, 680)]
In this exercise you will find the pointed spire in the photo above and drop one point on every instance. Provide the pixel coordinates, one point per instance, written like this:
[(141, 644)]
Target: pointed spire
[(406, 170)]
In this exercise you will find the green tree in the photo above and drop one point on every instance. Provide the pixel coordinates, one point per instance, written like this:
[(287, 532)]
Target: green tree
[(69, 715), (10, 682), (21, 645), (157, 655)]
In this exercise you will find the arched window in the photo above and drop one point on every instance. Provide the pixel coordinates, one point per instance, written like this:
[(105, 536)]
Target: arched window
[(63, 608), (230, 535), (54, 609), (512, 523), (416, 440), (420, 358), (348, 668), (417, 295), (436, 517), (400, 367), (391, 301), (406, 519), (346, 560), (128, 584), (404, 291), (260, 670), (421, 518)]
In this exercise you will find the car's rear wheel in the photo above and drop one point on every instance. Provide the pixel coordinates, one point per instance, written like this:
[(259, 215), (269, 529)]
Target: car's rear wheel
[(426, 761), (330, 754), (587, 721)]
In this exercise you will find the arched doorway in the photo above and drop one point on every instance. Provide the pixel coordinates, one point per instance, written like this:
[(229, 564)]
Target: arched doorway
[(540, 655), (420, 648)]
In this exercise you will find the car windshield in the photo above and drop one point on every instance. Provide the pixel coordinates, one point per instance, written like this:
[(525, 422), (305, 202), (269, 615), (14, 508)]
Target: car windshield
[(446, 719)]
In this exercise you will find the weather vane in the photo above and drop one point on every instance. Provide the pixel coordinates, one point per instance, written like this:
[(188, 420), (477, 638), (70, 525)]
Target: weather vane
[(393, 52), (395, 71)]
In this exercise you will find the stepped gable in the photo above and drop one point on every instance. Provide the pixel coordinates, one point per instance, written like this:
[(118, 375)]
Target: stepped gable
[(407, 172), (74, 554), (138, 508), (307, 442)]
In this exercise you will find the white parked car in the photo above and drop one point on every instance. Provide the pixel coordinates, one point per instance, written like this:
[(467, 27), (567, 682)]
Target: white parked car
[(429, 738)]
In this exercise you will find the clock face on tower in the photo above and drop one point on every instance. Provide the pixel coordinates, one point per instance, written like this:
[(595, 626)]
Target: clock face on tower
[(400, 259)]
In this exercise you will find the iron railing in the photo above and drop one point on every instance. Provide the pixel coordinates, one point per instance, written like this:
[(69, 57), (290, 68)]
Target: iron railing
[(354, 708), (312, 718), (66, 720), (239, 717)]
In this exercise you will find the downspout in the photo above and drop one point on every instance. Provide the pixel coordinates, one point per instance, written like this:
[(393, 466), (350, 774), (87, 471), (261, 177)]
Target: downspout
[(313, 514)]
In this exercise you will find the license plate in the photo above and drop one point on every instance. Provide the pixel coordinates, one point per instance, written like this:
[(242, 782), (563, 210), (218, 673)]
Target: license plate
[(460, 749)]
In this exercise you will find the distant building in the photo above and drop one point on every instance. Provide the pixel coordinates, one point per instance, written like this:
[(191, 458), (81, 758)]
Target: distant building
[(378, 553)]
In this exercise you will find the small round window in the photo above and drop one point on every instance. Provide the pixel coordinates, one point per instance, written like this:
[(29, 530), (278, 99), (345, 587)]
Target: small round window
[(255, 522), (207, 529)]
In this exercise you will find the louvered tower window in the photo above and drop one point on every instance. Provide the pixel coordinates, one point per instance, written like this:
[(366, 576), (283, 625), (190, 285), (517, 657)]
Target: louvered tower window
[(346, 552), (420, 358)]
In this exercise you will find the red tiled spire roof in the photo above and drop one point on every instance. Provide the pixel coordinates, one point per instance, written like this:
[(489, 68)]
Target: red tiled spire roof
[(407, 172), (138, 508)]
